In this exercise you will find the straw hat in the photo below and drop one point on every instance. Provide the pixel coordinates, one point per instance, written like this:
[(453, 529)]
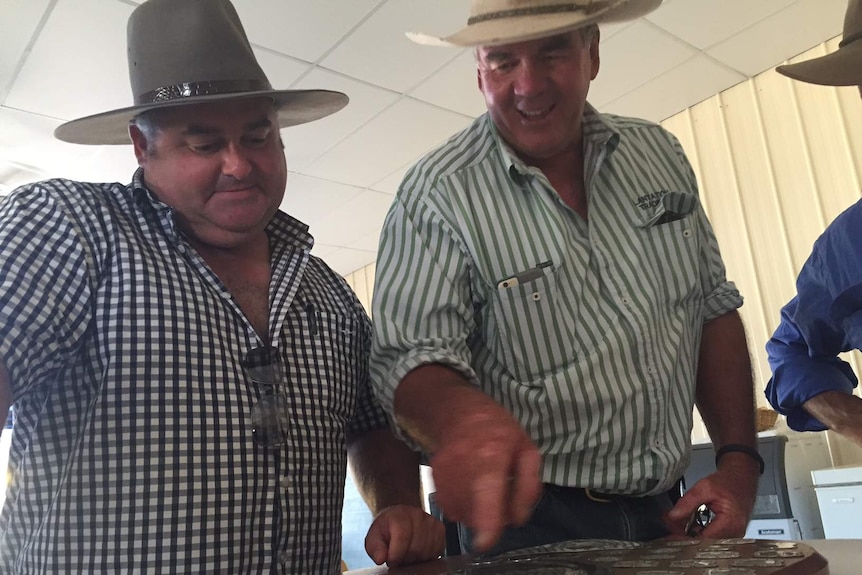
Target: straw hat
[(840, 68), (184, 52), (505, 21)]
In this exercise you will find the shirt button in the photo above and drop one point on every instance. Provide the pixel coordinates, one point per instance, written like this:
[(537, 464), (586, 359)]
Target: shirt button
[(686, 233), (181, 248), (284, 482), (536, 296), (650, 370), (626, 301)]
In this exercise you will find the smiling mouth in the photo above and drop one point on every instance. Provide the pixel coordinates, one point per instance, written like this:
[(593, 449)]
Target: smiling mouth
[(535, 115)]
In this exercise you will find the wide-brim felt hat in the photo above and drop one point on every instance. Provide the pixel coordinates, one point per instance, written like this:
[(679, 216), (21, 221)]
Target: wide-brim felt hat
[(494, 22), (185, 52), (840, 68)]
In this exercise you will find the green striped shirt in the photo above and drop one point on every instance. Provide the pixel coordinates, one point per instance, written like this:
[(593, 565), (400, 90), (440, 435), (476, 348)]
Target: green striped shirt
[(587, 331)]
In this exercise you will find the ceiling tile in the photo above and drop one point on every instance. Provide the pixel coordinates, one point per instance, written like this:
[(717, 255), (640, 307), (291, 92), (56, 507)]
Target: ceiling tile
[(354, 219), (69, 72), (307, 142), (781, 36), (345, 260), (379, 52), (705, 23), (623, 69), (280, 70), (312, 200), (402, 132), (369, 242), (454, 87), (390, 184), (689, 83), (28, 139), (301, 28), (19, 22)]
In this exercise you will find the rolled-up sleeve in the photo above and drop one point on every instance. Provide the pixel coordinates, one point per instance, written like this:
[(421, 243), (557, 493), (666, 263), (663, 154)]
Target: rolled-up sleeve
[(823, 320), (422, 308)]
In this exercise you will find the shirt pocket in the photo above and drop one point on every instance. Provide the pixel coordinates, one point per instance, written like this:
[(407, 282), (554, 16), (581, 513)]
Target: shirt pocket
[(326, 357), (535, 340), (672, 253)]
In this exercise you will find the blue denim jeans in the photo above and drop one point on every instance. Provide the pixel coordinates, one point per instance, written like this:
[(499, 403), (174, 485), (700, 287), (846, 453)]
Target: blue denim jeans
[(566, 513)]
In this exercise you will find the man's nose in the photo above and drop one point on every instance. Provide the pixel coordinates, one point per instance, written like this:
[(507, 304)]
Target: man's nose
[(235, 162), (531, 78)]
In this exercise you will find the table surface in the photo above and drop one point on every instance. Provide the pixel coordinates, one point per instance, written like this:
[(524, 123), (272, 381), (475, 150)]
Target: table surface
[(843, 556)]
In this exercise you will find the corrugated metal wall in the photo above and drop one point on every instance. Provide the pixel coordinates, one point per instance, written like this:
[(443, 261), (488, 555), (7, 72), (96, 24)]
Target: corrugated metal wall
[(777, 160)]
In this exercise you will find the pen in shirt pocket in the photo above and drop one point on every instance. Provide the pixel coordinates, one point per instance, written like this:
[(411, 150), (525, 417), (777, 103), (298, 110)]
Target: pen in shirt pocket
[(525, 276)]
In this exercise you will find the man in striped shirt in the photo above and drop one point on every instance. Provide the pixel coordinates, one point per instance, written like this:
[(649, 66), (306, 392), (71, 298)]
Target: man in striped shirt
[(188, 380), (550, 302)]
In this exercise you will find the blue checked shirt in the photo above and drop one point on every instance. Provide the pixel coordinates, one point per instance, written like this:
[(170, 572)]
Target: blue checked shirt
[(132, 449), (587, 331)]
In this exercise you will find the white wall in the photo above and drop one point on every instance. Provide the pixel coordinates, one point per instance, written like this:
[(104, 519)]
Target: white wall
[(777, 160)]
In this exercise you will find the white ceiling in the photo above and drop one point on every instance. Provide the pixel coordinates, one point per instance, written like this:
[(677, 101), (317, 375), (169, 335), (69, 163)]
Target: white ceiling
[(63, 59)]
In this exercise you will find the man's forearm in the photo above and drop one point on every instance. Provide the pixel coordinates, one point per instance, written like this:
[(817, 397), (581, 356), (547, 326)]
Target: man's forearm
[(386, 471), (725, 390), (434, 399), (839, 411)]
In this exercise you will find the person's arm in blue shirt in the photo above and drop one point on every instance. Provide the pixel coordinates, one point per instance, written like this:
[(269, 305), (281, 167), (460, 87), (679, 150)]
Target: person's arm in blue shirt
[(810, 384)]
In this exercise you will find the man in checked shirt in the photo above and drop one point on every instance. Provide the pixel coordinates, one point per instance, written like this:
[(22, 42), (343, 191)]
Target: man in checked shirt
[(188, 381)]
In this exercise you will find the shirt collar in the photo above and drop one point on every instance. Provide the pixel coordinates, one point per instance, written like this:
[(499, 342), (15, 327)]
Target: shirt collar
[(282, 228), (599, 130)]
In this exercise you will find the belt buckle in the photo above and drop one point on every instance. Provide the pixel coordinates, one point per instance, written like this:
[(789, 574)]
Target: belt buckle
[(592, 496)]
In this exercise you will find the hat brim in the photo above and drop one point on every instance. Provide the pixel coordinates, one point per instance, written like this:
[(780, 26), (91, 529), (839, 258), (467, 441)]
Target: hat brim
[(532, 27), (112, 128), (840, 68)]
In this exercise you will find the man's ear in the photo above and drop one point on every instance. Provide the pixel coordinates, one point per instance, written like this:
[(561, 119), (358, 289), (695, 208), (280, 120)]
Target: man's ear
[(139, 142), (594, 55)]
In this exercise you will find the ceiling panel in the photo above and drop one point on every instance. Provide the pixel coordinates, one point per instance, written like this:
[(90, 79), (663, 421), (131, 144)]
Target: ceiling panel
[(705, 23), (20, 21), (390, 183), (307, 142), (379, 52), (358, 217), (28, 140), (280, 70), (788, 32), (69, 73), (677, 89), (302, 28), (454, 87), (344, 260), (623, 69), (312, 200), (387, 142)]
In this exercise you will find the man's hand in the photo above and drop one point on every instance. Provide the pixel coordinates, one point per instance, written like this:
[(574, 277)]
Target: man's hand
[(404, 534), (729, 493), (486, 467), (486, 472)]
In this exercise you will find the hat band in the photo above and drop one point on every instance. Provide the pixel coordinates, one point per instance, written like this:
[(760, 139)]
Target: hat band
[(540, 11), (850, 39), (192, 89)]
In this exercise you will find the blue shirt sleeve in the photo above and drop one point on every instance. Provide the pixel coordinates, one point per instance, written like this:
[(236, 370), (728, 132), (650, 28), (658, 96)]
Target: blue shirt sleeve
[(823, 320)]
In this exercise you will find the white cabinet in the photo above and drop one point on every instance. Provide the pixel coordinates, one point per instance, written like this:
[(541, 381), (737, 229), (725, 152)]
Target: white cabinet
[(839, 495)]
